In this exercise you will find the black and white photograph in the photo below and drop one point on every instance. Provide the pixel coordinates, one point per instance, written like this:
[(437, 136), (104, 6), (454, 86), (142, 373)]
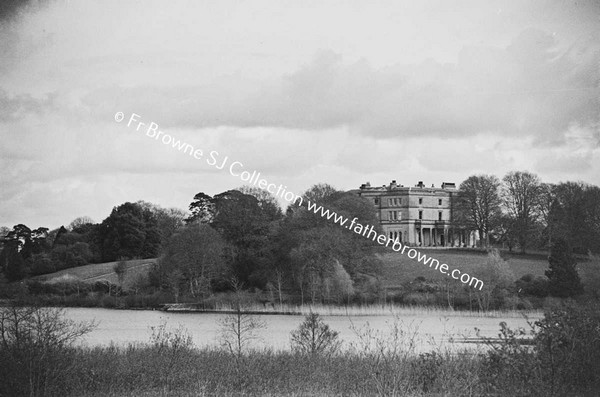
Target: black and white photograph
[(299, 198)]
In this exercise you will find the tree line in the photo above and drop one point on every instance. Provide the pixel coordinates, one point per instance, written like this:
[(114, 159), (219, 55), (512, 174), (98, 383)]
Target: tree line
[(244, 235), (132, 230), (521, 212)]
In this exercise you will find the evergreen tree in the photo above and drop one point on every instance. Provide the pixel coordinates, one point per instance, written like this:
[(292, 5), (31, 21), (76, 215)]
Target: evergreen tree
[(562, 273), (13, 263)]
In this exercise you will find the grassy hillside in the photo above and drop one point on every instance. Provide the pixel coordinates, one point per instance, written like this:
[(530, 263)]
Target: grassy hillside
[(102, 271), (399, 268)]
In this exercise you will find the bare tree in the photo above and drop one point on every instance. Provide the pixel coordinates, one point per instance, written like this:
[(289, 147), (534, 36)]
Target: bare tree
[(521, 195), (479, 201), (80, 221), (239, 328)]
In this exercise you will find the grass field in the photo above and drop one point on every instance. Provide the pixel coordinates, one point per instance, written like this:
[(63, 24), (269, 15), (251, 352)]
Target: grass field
[(399, 268), (102, 271)]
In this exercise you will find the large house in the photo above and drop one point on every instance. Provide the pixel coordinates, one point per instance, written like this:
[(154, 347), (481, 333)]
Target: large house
[(418, 215)]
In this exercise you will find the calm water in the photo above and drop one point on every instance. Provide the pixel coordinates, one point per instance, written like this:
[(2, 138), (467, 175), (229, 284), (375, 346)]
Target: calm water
[(124, 326)]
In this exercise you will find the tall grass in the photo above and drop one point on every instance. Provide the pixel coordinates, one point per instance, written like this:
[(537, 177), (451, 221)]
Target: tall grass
[(384, 362), (363, 310)]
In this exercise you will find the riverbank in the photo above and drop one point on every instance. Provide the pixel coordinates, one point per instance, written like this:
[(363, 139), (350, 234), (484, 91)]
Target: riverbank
[(39, 357)]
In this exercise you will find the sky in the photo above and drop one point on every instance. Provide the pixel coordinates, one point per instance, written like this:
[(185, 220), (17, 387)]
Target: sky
[(304, 92)]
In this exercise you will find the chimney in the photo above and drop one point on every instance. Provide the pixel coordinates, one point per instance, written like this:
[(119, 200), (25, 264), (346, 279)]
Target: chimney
[(420, 184), (393, 184)]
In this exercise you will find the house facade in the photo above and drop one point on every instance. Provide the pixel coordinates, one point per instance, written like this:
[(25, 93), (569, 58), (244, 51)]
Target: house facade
[(418, 215)]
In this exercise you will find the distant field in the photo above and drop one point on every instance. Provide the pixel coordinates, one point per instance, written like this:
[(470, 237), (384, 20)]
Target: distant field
[(103, 271), (399, 268)]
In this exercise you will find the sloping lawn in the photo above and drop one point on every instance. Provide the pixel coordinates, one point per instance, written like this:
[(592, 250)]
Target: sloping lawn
[(103, 271), (399, 268)]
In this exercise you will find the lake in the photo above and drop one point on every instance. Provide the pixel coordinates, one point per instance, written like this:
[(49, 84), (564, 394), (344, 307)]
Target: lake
[(428, 326)]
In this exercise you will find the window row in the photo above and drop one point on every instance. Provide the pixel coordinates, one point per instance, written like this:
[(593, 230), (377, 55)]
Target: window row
[(440, 215), (394, 202), (396, 235), (440, 201)]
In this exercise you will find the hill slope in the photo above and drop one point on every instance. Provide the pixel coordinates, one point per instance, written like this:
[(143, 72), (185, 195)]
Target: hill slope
[(102, 271)]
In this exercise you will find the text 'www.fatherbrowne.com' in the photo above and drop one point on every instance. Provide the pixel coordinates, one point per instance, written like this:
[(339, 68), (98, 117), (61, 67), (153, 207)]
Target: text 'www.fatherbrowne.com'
[(236, 169)]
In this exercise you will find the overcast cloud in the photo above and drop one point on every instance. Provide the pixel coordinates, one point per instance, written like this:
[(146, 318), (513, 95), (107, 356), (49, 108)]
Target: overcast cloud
[(304, 92)]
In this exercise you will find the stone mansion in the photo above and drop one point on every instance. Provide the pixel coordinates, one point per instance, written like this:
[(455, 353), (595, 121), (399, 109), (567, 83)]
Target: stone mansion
[(418, 215)]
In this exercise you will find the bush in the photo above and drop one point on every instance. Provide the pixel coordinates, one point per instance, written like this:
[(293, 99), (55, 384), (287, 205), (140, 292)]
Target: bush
[(568, 346), (36, 354), (528, 285), (314, 337)]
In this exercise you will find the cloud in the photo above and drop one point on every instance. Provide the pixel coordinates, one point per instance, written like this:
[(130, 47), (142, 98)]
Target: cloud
[(319, 92), (527, 88)]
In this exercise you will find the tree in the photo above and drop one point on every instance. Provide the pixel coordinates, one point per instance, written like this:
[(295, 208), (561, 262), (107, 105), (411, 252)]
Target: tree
[(120, 268), (130, 231), (479, 201), (79, 222), (240, 220), (521, 194), (322, 258), (575, 216), (197, 252), (168, 220), (12, 262), (497, 278), (562, 274), (314, 337), (202, 209), (340, 283), (266, 201), (315, 259), (239, 328), (322, 193), (547, 201)]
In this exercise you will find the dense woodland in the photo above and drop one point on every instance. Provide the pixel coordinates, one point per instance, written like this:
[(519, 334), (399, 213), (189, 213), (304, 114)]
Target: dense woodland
[(244, 235)]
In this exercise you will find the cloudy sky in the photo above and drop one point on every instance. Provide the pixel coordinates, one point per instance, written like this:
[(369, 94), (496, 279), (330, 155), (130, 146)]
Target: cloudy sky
[(301, 91)]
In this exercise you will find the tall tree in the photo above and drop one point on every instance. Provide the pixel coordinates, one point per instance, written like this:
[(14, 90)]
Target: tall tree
[(575, 216), (79, 222), (12, 262), (521, 196), (130, 231), (266, 201), (196, 251), (479, 201), (547, 199), (202, 209), (168, 220), (562, 273)]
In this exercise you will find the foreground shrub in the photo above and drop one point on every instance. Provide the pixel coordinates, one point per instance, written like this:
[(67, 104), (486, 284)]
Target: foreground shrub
[(36, 352), (313, 337), (568, 347)]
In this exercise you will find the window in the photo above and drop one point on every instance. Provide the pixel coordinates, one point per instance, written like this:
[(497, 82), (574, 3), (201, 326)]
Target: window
[(394, 215), (376, 199), (440, 202), (440, 216), (390, 202), (420, 214), (420, 200)]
